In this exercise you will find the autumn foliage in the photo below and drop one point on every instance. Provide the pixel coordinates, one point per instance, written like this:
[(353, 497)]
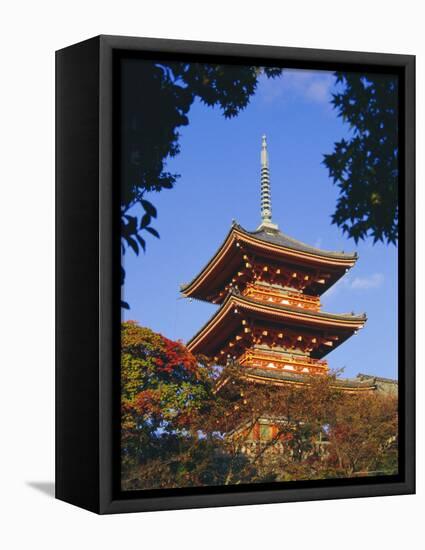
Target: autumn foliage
[(163, 388), (177, 430)]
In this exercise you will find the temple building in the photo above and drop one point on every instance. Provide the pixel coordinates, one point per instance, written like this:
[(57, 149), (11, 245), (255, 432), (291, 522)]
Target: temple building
[(267, 287)]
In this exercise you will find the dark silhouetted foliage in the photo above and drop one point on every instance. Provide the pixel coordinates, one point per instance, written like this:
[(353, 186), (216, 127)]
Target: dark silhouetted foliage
[(365, 167), (155, 103)]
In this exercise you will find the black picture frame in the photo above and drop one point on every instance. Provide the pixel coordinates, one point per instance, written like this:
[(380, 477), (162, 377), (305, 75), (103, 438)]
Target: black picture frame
[(87, 291)]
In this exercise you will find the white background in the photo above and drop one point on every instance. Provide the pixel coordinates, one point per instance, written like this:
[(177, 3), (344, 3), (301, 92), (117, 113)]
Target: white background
[(30, 32)]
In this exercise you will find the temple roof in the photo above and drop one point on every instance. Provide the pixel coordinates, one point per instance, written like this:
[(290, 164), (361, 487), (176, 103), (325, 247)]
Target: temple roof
[(281, 377), (275, 236), (383, 385), (362, 376), (226, 319), (271, 243)]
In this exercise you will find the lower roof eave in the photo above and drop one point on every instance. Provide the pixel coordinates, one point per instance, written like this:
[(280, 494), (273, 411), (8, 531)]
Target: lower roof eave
[(280, 378)]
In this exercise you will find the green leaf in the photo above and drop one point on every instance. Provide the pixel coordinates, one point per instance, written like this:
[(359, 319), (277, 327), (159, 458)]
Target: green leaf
[(133, 244), (167, 184), (142, 242), (152, 231), (149, 208), (146, 220), (131, 226)]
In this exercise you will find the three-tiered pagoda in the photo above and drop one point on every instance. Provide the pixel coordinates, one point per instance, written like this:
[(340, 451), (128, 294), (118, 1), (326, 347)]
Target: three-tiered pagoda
[(268, 286)]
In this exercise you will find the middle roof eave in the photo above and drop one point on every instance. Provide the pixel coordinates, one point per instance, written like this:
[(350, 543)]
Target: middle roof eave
[(234, 304)]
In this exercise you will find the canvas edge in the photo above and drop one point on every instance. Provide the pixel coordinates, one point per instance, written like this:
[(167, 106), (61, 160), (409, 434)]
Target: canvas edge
[(107, 504)]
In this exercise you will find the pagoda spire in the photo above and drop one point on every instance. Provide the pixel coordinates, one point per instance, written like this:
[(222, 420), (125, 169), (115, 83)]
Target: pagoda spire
[(266, 202)]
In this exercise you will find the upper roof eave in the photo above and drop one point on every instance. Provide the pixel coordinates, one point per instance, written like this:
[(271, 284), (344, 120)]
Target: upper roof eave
[(275, 236), (185, 286), (273, 240)]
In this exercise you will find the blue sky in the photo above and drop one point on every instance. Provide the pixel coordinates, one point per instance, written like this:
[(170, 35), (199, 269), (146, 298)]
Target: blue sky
[(219, 165)]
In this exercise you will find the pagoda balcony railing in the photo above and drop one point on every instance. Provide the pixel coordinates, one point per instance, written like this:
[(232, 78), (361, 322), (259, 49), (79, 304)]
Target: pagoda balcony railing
[(292, 299), (285, 362)]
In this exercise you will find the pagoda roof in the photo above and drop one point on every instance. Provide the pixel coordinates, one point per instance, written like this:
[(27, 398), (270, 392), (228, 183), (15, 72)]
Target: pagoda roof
[(275, 236), (227, 318), (268, 242), (376, 378), (278, 377)]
